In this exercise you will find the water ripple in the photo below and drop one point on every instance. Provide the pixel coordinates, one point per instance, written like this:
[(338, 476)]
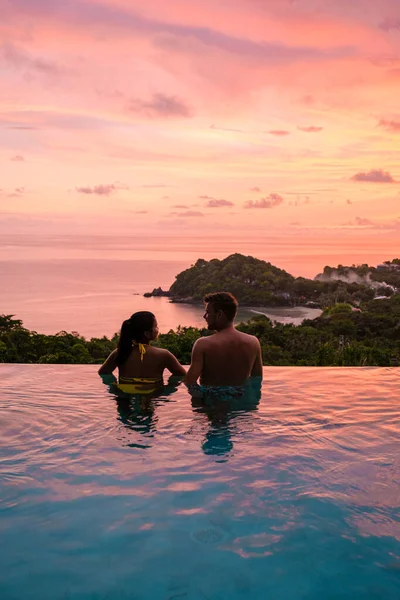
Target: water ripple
[(300, 489)]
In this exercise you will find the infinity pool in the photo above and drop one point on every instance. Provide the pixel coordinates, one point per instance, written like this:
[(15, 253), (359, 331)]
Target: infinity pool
[(295, 496)]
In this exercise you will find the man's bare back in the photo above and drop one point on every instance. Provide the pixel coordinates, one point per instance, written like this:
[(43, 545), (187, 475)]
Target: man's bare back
[(228, 357)]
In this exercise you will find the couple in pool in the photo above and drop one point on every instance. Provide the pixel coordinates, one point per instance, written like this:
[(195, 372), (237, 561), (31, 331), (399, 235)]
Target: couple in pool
[(222, 362)]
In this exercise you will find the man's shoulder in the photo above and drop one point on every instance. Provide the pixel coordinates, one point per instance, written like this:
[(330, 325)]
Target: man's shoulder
[(202, 342), (252, 339)]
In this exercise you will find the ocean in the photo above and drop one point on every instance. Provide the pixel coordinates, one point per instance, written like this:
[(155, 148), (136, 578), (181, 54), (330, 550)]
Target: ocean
[(90, 284)]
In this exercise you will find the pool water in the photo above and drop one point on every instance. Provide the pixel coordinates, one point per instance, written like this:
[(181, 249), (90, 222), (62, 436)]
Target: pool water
[(292, 496)]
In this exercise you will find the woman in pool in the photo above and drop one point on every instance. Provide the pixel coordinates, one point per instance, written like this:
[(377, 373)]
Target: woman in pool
[(140, 365)]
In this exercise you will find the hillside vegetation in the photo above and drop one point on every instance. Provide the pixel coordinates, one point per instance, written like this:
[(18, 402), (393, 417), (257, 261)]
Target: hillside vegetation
[(256, 282)]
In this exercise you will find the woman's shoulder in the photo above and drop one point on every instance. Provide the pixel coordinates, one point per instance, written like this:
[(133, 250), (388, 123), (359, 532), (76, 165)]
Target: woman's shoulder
[(162, 355), (160, 351)]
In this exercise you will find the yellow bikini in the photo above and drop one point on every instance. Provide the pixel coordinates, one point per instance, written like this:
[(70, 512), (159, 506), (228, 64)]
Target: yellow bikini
[(139, 385)]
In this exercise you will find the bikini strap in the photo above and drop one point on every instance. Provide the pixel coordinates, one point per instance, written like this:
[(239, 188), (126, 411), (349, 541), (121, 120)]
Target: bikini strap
[(142, 349)]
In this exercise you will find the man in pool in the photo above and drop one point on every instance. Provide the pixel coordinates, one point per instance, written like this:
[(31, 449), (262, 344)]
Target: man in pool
[(227, 359)]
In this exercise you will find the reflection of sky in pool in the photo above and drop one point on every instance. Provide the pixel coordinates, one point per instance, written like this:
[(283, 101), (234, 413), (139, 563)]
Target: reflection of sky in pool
[(291, 497)]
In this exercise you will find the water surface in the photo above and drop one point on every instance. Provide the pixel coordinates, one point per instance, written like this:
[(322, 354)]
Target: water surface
[(294, 495), (93, 297)]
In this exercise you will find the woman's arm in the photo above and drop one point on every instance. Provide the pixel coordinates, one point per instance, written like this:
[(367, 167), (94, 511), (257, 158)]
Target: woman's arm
[(109, 365), (173, 365)]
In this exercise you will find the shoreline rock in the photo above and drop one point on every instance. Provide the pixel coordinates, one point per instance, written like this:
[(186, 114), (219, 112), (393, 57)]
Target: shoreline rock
[(157, 293)]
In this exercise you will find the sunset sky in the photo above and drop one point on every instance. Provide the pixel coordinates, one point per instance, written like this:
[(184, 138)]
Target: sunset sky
[(201, 115)]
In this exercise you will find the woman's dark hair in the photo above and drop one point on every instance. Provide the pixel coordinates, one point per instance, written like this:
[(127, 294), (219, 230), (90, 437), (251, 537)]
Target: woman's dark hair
[(133, 330)]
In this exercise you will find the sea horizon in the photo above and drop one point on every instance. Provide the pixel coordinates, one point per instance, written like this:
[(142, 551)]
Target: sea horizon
[(89, 284)]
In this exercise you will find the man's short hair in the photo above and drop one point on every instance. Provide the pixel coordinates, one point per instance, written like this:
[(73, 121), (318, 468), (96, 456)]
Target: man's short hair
[(223, 301)]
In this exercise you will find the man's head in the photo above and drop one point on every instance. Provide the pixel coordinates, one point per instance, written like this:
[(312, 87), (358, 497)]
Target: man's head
[(221, 309)]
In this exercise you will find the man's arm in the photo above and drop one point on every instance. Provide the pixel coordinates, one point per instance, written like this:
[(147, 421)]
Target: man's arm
[(196, 365), (109, 365), (257, 370)]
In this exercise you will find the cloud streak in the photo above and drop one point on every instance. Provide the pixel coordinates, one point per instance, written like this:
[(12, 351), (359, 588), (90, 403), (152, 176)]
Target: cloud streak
[(365, 223), (279, 132), (90, 16), (310, 129), (231, 130), (189, 213)]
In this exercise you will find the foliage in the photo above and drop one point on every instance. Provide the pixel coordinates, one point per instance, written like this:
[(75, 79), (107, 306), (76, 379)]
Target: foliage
[(339, 337), (251, 280), (259, 283)]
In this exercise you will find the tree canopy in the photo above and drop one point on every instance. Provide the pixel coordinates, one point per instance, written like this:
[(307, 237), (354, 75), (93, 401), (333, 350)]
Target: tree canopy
[(340, 336), (256, 282)]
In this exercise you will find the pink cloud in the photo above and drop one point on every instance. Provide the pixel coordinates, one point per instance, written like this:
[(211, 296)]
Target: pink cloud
[(392, 126), (362, 222), (270, 201), (389, 24), (369, 223), (98, 190), (279, 132), (17, 158), (307, 100), (20, 59), (16, 193), (310, 129), (374, 176), (161, 105), (215, 203)]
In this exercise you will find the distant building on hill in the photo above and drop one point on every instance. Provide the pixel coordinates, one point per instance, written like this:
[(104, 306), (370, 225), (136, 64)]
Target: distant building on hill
[(388, 267)]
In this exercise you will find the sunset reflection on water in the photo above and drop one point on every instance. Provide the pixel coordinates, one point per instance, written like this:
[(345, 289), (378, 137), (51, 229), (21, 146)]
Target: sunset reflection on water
[(300, 486)]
